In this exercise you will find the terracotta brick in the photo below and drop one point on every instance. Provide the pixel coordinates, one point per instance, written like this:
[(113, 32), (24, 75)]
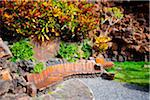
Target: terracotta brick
[(41, 77), (56, 73), (33, 78), (85, 68), (48, 81), (61, 69), (38, 78), (49, 71), (72, 68), (44, 74), (52, 71)]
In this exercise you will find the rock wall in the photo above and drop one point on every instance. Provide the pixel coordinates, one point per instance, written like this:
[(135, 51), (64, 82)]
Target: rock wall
[(130, 37)]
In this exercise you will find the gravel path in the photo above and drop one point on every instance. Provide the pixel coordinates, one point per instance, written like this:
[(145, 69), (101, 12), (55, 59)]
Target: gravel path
[(112, 90)]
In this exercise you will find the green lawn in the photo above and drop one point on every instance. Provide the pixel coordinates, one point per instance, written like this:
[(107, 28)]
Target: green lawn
[(132, 72)]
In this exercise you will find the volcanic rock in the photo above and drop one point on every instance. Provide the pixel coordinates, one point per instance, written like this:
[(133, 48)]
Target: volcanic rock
[(4, 86), (4, 50), (5, 75), (31, 89)]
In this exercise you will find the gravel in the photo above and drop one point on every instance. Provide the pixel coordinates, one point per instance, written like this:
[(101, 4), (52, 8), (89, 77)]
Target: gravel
[(112, 90)]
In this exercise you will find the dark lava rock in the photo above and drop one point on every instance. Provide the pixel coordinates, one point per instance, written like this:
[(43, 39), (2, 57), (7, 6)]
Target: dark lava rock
[(113, 59), (31, 89), (54, 61), (25, 66), (2, 63), (19, 89), (19, 81), (12, 66), (4, 86), (120, 58), (4, 50), (22, 71), (19, 85)]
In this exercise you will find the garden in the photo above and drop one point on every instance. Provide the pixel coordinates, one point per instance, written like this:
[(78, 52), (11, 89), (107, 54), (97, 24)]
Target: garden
[(43, 42)]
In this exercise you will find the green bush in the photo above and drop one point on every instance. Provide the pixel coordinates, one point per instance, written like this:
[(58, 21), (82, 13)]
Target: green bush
[(30, 19), (132, 72), (73, 51), (46, 20), (69, 51), (38, 68), (86, 48), (72, 21), (22, 50)]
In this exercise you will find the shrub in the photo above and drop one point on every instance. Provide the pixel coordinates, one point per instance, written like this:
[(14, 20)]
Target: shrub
[(110, 16), (72, 21), (72, 52), (101, 43), (76, 20), (86, 48), (38, 68), (45, 20), (69, 51), (22, 50), (31, 19)]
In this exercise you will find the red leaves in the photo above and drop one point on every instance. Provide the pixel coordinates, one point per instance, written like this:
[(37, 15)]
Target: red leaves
[(37, 14)]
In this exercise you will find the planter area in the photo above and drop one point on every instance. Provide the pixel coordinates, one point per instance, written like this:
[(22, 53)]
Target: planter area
[(44, 43)]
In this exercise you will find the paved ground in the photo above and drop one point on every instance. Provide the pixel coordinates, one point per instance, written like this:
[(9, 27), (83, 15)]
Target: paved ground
[(72, 89), (112, 90), (76, 89)]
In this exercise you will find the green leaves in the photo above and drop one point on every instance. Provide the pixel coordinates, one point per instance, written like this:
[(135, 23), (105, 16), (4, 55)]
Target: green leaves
[(38, 68), (21, 50), (69, 51), (46, 20), (30, 19), (72, 52), (115, 12), (86, 48)]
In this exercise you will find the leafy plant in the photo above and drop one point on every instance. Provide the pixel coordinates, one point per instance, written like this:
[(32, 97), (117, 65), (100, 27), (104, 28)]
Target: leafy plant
[(31, 19), (69, 51), (131, 72), (101, 43), (73, 51), (72, 21), (38, 68), (22, 50), (46, 20), (110, 16), (86, 48), (75, 24)]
